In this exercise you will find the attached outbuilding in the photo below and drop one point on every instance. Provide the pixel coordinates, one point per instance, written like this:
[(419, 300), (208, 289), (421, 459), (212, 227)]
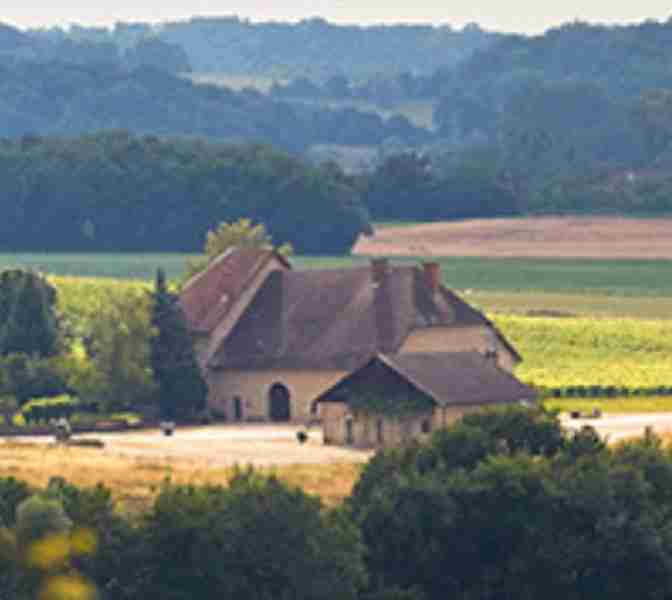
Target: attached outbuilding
[(395, 399)]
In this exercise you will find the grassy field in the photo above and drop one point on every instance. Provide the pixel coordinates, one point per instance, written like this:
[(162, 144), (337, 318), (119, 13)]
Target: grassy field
[(558, 353), (651, 278), (559, 305), (134, 482)]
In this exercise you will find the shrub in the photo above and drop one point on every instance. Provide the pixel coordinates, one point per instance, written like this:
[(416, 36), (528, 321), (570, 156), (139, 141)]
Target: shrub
[(12, 493), (37, 518)]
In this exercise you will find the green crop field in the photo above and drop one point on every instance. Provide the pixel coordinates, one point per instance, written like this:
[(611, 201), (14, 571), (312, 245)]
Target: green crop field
[(631, 354), (652, 278)]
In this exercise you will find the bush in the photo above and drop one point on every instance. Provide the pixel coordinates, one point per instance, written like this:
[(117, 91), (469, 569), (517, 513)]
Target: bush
[(26, 377), (45, 410), (37, 518), (12, 493)]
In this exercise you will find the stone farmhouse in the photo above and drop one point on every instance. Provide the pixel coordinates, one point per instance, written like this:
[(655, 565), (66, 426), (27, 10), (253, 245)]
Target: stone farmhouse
[(273, 341)]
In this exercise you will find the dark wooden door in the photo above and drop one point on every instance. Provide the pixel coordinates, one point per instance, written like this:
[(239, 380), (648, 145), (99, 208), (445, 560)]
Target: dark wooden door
[(279, 401)]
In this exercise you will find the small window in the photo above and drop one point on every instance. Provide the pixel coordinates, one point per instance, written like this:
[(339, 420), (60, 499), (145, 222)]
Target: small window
[(426, 426), (379, 431), (349, 433), (237, 408)]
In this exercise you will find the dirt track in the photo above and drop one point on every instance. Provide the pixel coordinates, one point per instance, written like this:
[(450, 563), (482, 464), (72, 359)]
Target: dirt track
[(559, 237)]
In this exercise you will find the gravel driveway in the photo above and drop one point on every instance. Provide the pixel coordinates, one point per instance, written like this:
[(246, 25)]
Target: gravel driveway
[(224, 445), (618, 427)]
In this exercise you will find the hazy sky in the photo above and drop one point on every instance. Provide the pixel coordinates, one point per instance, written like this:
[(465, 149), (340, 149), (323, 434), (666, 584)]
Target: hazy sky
[(527, 16)]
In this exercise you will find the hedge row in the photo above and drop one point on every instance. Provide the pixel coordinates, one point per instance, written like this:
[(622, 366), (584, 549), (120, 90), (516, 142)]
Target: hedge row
[(599, 391)]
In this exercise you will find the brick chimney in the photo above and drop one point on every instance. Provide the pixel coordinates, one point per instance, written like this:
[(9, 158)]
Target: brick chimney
[(379, 269), (432, 272)]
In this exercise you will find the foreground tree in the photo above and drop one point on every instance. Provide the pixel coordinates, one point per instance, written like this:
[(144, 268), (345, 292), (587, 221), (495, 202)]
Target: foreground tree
[(499, 506), (256, 539), (181, 387)]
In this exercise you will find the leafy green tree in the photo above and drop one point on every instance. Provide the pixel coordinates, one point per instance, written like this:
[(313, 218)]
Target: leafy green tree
[(28, 320), (117, 373), (181, 387), (239, 234)]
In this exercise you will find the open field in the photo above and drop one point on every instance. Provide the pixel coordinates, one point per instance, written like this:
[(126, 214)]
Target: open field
[(557, 237), (568, 304), (647, 278), (235, 82), (635, 354), (134, 465)]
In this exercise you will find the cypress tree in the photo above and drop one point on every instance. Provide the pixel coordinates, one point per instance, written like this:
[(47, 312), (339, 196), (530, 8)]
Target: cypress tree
[(182, 389)]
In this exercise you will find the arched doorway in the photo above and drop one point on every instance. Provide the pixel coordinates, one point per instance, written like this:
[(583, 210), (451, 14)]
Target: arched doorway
[(278, 400)]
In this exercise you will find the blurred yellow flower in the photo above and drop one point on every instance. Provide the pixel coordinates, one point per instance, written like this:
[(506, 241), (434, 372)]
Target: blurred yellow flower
[(67, 587), (83, 541), (50, 552)]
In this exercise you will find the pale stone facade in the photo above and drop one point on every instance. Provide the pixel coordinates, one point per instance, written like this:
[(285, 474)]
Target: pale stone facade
[(367, 430), (463, 339), (252, 388)]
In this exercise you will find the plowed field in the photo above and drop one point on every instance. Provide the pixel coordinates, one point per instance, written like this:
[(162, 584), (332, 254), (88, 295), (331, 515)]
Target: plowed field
[(558, 237)]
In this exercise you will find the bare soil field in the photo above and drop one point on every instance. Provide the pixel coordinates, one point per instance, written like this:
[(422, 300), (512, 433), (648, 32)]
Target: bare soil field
[(557, 237)]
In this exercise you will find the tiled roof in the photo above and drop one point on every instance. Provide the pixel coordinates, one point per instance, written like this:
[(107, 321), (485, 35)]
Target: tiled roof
[(209, 295), (449, 378), (337, 318)]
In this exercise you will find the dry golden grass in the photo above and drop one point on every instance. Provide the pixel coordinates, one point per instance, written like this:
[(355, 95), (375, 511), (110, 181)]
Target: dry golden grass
[(135, 481)]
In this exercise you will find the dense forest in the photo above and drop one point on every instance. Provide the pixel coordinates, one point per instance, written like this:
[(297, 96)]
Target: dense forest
[(578, 120), (311, 47), (116, 192), (59, 98)]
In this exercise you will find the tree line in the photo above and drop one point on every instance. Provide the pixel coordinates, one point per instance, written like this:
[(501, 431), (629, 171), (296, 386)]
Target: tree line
[(117, 192), (149, 51), (502, 504), (312, 46)]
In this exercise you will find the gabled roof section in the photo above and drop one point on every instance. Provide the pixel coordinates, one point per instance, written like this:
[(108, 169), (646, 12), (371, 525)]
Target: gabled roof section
[(449, 378), (337, 318), (460, 378), (208, 296)]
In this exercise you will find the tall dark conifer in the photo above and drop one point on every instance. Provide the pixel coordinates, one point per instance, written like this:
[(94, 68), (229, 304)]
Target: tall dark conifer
[(182, 389)]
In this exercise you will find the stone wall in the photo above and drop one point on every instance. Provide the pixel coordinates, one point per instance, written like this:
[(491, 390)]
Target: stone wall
[(367, 430), (253, 390)]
